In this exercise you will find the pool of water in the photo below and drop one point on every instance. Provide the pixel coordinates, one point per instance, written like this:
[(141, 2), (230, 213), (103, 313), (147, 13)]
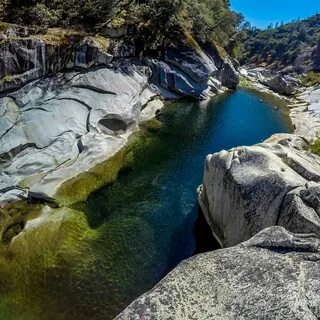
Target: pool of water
[(160, 186), (129, 234)]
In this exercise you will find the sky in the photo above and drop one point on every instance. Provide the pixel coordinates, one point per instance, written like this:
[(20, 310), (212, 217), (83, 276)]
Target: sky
[(261, 13)]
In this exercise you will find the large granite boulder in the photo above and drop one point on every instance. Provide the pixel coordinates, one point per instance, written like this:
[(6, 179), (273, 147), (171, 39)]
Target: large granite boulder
[(274, 275), (247, 189)]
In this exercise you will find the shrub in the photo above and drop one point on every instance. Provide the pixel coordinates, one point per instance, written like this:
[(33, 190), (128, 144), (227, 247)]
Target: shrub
[(315, 148), (312, 78), (7, 78)]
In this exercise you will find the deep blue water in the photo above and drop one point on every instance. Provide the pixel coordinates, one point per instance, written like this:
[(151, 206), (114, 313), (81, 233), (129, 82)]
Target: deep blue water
[(158, 191)]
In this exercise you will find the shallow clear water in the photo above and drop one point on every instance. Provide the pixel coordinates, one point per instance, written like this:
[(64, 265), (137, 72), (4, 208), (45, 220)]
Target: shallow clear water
[(159, 189)]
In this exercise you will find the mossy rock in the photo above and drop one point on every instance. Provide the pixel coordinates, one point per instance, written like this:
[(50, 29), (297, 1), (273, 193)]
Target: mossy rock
[(312, 78), (7, 78), (61, 37), (79, 188), (92, 267), (4, 26)]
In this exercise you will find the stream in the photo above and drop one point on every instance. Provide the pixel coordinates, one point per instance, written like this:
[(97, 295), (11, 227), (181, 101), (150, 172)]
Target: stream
[(154, 201)]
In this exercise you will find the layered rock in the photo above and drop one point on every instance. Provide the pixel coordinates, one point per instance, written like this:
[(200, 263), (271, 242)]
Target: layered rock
[(274, 275), (54, 128), (26, 56), (305, 113), (192, 72), (58, 125), (247, 189)]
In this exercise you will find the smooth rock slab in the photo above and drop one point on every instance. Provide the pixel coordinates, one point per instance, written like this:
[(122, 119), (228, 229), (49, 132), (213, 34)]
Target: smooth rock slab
[(55, 128), (274, 275)]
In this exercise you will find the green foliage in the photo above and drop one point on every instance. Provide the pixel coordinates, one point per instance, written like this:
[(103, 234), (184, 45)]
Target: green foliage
[(312, 78), (58, 12), (7, 78), (315, 148), (212, 20), (152, 23), (283, 44), (316, 57)]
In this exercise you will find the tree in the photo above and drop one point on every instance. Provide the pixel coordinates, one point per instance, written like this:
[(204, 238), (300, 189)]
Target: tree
[(316, 60)]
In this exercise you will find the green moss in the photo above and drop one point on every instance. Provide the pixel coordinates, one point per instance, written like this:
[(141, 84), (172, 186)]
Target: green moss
[(312, 78), (14, 216), (100, 42), (79, 188), (191, 41), (6, 78), (245, 83), (222, 52), (118, 22), (92, 267), (315, 147), (4, 26), (60, 36)]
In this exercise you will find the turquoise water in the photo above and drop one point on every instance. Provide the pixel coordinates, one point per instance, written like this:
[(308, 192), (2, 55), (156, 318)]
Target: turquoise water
[(159, 188)]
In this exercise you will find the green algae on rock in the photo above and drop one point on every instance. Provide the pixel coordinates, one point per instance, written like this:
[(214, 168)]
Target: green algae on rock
[(79, 188), (62, 254)]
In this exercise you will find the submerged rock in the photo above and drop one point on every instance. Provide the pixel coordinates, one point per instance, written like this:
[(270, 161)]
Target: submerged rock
[(247, 189), (274, 275)]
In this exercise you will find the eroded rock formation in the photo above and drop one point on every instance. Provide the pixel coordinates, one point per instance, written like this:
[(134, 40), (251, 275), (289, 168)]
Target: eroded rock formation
[(69, 101), (248, 189)]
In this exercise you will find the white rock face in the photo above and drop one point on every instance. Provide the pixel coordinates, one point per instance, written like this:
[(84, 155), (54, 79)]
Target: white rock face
[(55, 128), (305, 113), (275, 275), (247, 189), (151, 109)]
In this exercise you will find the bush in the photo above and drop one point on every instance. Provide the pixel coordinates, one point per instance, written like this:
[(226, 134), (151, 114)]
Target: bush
[(315, 148), (312, 78), (42, 15), (55, 13)]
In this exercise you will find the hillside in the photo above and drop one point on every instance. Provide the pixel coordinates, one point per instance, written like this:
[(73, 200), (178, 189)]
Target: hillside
[(149, 23), (292, 47)]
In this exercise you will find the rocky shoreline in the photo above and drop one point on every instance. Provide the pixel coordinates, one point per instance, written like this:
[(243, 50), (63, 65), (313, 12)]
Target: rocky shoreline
[(304, 103), (72, 107), (67, 109), (262, 204)]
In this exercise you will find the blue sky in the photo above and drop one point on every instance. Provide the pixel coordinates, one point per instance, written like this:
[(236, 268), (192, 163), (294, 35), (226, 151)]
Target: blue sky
[(261, 13)]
